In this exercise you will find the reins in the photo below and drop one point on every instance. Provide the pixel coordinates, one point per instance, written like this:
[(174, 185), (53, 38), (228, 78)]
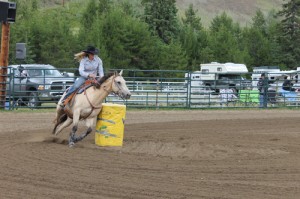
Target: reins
[(97, 107)]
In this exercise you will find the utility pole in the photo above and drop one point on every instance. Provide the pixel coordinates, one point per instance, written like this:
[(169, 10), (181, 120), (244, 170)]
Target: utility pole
[(4, 61), (7, 16)]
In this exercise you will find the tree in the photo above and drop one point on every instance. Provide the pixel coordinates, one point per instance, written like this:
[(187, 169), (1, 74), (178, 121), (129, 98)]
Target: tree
[(161, 16), (290, 28), (172, 57), (193, 39), (104, 6), (221, 21), (259, 22), (225, 40), (191, 19), (258, 47), (273, 34), (89, 14), (128, 42)]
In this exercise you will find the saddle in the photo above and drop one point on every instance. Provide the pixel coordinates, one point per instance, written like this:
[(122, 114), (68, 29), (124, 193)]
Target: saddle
[(88, 83)]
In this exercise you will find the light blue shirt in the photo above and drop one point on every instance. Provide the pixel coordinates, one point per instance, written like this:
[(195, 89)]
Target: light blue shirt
[(94, 66)]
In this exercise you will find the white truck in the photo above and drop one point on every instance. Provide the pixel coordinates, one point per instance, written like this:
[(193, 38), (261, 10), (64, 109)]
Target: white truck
[(215, 76)]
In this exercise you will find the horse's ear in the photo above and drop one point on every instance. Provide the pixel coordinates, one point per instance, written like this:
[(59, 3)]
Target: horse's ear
[(115, 73), (121, 72)]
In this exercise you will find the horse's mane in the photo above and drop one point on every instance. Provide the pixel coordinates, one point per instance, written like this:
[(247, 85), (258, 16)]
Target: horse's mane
[(105, 77)]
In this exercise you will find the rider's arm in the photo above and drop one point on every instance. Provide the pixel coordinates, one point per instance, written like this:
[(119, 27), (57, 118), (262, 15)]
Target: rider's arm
[(100, 67), (81, 69)]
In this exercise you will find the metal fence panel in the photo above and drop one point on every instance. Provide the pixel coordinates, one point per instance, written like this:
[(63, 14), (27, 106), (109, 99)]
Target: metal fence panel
[(153, 89)]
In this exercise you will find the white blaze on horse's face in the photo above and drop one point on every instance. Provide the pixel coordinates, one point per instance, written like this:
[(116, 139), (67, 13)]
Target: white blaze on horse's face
[(119, 86)]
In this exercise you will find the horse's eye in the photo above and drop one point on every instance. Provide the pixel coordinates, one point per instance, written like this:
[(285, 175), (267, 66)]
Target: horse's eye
[(119, 83)]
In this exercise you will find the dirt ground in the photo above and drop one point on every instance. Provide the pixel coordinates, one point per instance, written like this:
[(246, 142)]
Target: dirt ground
[(234, 154)]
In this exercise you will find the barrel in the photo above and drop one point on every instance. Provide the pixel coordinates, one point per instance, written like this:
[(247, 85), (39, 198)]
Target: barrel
[(110, 125)]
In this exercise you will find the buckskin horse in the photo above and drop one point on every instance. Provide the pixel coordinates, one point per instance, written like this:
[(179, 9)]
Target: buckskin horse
[(87, 105)]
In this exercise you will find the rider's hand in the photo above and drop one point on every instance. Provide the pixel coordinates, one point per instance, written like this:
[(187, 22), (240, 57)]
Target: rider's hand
[(93, 76)]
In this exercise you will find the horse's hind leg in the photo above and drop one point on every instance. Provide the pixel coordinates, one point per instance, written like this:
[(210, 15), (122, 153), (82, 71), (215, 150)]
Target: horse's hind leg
[(65, 124), (59, 121), (89, 123)]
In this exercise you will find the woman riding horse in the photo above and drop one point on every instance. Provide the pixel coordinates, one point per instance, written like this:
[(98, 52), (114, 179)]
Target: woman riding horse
[(87, 105), (89, 66)]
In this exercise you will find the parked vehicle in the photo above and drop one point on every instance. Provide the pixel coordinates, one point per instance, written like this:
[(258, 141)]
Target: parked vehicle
[(275, 76), (215, 76), (36, 83)]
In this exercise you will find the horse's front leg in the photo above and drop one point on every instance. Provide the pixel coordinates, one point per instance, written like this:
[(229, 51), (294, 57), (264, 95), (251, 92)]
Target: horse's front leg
[(89, 123), (72, 138), (83, 135)]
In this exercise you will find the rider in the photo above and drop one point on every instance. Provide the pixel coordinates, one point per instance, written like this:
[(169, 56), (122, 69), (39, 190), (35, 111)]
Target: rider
[(89, 67)]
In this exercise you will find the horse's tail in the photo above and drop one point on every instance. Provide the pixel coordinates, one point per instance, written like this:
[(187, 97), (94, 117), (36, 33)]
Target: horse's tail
[(61, 119)]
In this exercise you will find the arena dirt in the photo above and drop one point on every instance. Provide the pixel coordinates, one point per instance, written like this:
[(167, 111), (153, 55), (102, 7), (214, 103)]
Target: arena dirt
[(236, 154)]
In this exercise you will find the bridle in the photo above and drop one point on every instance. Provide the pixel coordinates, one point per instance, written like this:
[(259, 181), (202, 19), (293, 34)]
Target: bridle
[(117, 93)]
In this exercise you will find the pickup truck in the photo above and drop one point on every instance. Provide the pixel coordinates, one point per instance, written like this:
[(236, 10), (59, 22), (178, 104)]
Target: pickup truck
[(35, 84)]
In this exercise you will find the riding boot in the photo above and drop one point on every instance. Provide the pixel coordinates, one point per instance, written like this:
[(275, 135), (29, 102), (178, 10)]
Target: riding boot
[(62, 103)]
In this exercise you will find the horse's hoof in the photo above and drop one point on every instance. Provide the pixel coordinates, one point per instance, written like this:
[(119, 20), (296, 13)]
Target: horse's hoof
[(71, 144)]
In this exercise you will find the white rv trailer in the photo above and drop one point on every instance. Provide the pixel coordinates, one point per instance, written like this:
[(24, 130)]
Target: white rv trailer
[(212, 70), (216, 75)]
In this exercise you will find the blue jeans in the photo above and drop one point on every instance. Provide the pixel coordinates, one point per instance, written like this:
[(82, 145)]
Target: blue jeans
[(262, 101), (79, 81)]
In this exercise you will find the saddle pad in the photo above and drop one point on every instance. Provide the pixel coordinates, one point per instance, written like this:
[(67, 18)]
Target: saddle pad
[(82, 88)]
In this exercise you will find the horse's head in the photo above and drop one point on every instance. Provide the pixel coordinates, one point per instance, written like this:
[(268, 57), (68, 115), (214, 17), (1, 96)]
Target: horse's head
[(119, 86)]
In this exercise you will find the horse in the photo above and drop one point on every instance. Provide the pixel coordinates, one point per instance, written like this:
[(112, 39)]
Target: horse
[(87, 105)]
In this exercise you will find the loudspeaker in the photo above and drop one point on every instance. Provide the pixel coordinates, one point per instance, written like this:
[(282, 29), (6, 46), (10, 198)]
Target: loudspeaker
[(8, 11), (20, 50), (12, 10), (3, 11)]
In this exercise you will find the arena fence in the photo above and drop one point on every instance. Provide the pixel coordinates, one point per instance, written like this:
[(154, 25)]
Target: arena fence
[(151, 89)]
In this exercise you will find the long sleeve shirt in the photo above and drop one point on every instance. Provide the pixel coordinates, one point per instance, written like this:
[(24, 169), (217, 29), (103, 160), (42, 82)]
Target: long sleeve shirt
[(262, 86), (94, 66)]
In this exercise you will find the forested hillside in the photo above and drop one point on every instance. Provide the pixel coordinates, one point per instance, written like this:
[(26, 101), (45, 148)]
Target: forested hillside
[(241, 11), (155, 34)]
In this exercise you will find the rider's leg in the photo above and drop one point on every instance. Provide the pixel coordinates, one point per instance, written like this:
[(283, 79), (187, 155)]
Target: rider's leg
[(79, 81)]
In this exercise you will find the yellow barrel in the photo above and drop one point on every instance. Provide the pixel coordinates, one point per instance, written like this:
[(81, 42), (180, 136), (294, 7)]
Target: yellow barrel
[(110, 125)]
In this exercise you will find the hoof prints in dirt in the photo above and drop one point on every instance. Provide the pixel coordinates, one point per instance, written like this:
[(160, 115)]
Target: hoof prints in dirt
[(50, 140), (196, 150)]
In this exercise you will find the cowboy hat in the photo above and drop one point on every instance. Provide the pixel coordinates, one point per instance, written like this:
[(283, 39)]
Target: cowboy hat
[(91, 50)]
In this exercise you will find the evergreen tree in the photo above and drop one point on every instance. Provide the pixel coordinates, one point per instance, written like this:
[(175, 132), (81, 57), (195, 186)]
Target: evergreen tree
[(221, 21), (104, 6), (258, 47), (225, 39), (172, 57), (256, 41), (89, 14), (259, 22), (273, 34), (161, 16), (193, 39), (128, 42), (290, 37), (191, 19)]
